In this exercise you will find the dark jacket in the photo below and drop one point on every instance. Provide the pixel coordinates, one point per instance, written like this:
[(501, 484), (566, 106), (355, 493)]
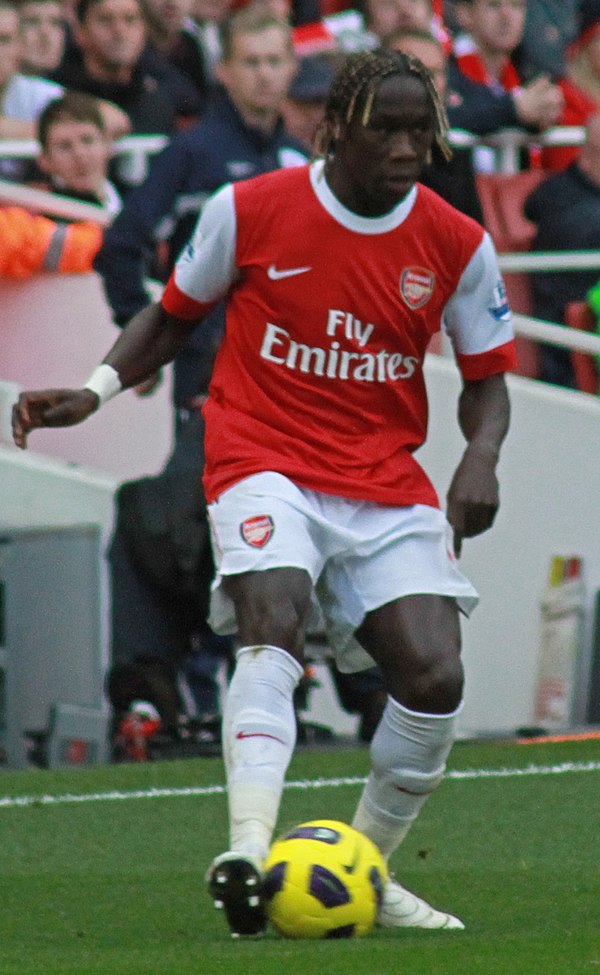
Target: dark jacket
[(477, 108), (566, 211), (219, 150), (157, 95)]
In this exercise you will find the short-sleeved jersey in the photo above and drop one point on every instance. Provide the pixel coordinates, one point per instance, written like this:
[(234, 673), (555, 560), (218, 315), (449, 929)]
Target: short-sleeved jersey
[(329, 314)]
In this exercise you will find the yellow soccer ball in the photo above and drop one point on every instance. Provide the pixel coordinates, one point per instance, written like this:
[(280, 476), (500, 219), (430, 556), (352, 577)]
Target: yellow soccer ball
[(324, 879)]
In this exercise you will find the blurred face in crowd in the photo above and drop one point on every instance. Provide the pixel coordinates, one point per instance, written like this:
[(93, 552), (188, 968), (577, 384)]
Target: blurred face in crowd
[(212, 10), (112, 38), (258, 72), (10, 45), (167, 15), (42, 34), (302, 119), (430, 53), (496, 25), (386, 16), (75, 156), (592, 53)]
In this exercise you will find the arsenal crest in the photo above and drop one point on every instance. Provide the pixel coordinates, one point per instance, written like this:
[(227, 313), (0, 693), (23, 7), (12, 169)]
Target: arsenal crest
[(416, 286), (257, 531)]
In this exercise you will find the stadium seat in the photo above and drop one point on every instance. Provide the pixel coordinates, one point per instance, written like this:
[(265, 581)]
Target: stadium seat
[(502, 199), (578, 314)]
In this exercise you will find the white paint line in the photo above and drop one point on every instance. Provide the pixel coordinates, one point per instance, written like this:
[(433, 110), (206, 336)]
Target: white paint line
[(7, 802)]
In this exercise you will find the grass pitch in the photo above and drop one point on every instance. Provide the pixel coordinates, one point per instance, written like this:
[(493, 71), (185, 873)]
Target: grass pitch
[(102, 869)]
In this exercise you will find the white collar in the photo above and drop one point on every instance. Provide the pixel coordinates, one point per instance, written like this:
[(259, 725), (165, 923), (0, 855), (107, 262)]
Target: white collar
[(350, 220)]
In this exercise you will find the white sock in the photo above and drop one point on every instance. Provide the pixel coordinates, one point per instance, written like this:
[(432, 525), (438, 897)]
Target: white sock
[(259, 735), (408, 758)]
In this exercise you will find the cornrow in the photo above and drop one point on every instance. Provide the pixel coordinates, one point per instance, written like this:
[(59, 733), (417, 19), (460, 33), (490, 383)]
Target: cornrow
[(358, 80)]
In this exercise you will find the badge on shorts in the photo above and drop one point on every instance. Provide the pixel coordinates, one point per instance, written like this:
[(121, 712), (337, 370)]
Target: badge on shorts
[(416, 286), (257, 531)]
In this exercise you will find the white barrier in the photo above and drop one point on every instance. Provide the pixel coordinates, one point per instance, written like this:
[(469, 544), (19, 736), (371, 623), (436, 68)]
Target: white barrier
[(55, 329)]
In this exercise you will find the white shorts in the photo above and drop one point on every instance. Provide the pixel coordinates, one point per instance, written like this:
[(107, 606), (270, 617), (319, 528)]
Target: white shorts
[(360, 555)]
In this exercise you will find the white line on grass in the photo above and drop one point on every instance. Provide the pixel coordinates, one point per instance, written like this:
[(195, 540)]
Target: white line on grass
[(7, 802)]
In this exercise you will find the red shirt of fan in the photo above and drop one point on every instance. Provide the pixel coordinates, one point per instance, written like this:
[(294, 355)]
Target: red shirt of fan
[(320, 374)]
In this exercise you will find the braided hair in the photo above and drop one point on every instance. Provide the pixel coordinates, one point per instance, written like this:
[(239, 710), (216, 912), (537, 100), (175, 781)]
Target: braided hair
[(355, 87)]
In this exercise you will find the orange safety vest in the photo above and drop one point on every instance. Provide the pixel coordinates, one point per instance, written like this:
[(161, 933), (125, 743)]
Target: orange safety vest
[(31, 243)]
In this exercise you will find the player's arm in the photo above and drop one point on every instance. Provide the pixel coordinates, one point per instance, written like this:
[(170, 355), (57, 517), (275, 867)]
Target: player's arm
[(473, 497), (151, 339), (479, 323)]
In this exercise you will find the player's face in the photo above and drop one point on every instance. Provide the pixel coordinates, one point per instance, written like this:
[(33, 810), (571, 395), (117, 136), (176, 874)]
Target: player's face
[(497, 25), (76, 156), (259, 71), (376, 164)]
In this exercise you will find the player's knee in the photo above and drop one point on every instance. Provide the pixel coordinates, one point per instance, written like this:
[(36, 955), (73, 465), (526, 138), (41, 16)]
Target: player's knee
[(438, 688), (273, 622)]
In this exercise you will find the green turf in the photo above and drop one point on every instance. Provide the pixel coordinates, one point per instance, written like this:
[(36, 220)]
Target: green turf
[(116, 888)]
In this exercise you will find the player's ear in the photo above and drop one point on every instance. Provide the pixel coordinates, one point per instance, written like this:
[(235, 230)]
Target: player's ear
[(43, 164)]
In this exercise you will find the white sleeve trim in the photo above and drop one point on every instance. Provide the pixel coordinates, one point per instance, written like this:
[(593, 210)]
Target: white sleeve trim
[(206, 267), (477, 317)]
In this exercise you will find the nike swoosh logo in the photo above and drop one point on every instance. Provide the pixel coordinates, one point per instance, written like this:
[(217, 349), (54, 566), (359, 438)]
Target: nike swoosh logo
[(289, 272), (257, 734)]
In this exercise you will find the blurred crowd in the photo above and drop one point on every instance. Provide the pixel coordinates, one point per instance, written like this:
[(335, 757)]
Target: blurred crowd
[(237, 88)]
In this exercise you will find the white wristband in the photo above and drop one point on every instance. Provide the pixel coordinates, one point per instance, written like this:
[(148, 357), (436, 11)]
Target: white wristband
[(105, 382)]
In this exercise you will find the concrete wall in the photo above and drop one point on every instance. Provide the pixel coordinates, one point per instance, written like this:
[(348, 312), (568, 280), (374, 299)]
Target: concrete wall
[(549, 474), (55, 329)]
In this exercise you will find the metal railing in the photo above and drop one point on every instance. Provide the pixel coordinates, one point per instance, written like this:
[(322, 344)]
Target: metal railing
[(135, 150)]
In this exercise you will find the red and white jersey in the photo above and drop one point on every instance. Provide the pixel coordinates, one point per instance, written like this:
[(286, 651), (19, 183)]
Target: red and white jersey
[(320, 374)]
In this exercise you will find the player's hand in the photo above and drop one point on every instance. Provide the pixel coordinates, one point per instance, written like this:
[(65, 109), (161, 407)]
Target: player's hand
[(50, 408), (473, 498), (149, 385)]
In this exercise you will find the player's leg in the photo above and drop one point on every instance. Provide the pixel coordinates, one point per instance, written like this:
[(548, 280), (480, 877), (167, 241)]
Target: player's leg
[(267, 559), (416, 642), (259, 732)]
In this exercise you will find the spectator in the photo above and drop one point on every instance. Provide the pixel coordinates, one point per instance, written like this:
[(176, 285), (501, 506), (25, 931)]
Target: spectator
[(21, 98), (205, 17), (367, 26), (581, 82), (495, 29), (549, 29), (74, 156), (383, 17), (75, 151), (169, 32), (31, 243), (111, 64), (303, 108), (241, 135), (454, 178), (43, 36), (566, 211)]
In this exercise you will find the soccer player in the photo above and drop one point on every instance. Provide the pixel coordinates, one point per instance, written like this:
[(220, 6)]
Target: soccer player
[(336, 276)]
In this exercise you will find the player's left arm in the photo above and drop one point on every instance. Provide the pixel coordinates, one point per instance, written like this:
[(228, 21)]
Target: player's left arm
[(478, 321), (473, 497)]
